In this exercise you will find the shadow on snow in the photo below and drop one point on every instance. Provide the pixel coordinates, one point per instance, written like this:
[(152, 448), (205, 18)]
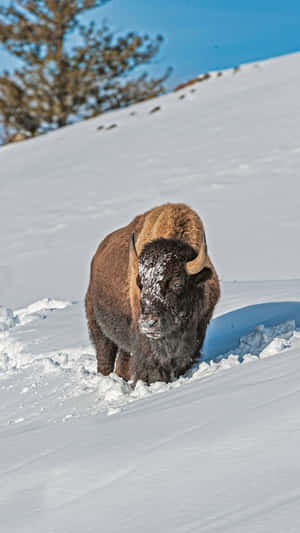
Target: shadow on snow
[(224, 332)]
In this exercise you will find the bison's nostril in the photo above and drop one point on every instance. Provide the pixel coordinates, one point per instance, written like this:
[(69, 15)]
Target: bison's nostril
[(151, 323)]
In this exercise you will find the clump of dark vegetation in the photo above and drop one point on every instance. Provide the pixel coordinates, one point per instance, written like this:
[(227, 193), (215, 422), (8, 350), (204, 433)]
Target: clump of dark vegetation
[(203, 77), (155, 109)]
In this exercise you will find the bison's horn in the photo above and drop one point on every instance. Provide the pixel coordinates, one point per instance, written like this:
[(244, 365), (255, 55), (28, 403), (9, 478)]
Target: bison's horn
[(196, 265), (133, 257), (132, 244)]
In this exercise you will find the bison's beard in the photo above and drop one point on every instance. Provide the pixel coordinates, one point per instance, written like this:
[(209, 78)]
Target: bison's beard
[(169, 325)]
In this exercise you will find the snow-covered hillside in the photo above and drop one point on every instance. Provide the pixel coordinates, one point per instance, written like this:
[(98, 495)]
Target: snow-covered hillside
[(217, 450)]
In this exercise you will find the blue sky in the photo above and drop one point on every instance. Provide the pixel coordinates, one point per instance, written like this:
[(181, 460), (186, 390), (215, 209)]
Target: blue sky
[(206, 35)]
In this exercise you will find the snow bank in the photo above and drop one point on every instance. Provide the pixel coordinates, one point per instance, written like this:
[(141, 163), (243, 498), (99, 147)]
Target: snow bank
[(40, 309), (263, 342), (77, 365), (13, 354), (7, 318)]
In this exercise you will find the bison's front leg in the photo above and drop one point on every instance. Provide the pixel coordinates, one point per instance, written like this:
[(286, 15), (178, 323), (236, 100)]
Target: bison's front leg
[(105, 348), (146, 371), (123, 365), (106, 354)]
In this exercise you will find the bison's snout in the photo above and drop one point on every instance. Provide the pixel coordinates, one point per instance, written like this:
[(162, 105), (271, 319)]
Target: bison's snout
[(150, 326), (150, 323)]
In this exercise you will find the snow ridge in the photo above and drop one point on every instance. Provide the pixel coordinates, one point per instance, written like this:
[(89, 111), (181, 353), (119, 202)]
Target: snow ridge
[(77, 365)]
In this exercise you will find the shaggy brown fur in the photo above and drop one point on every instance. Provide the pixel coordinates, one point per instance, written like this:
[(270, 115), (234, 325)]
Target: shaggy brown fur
[(113, 300)]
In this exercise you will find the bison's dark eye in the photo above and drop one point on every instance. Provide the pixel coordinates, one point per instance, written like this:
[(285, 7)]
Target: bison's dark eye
[(176, 285), (139, 283)]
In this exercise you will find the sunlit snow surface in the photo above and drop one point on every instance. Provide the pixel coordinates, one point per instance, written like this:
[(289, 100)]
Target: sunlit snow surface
[(27, 344), (217, 449)]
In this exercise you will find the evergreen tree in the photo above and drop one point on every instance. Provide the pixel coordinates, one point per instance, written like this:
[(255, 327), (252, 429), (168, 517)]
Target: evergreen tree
[(57, 84)]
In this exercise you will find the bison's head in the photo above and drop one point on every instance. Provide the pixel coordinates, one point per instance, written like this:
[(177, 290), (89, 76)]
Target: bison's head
[(170, 278)]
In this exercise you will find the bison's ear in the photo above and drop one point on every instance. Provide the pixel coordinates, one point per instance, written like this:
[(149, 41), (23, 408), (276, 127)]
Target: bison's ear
[(202, 276)]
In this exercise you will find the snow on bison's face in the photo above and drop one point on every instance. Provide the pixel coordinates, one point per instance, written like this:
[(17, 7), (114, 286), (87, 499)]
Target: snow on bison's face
[(169, 294)]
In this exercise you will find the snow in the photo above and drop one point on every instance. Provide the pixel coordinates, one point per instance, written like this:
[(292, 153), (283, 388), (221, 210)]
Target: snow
[(217, 449)]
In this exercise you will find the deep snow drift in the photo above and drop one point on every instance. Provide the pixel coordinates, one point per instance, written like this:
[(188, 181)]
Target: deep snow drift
[(216, 450)]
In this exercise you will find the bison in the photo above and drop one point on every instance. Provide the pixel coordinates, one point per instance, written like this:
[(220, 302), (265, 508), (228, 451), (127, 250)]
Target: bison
[(151, 295)]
